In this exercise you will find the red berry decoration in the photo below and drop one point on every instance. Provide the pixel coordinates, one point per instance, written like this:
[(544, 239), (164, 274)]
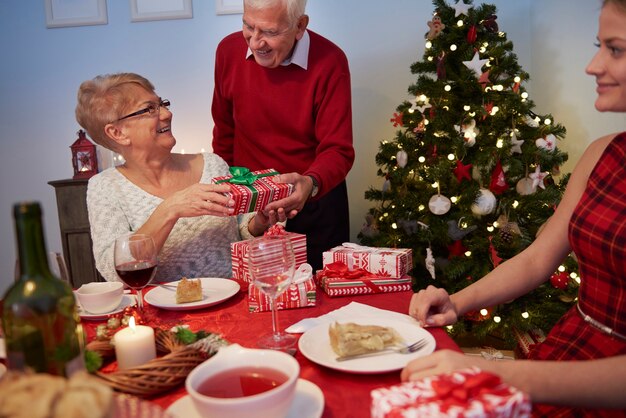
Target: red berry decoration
[(560, 280)]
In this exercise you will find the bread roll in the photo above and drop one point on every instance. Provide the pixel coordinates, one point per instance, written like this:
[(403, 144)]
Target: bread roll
[(41, 395)]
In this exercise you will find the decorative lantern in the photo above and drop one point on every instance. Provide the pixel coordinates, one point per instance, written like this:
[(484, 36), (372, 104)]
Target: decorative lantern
[(84, 158)]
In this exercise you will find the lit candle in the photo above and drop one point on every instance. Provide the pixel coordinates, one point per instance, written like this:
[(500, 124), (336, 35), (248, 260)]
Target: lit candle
[(134, 345)]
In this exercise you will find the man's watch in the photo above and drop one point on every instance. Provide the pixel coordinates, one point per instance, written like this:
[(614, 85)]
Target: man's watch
[(315, 187)]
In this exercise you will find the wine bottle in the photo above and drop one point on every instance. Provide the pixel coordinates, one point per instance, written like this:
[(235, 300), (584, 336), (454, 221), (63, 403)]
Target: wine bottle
[(39, 317)]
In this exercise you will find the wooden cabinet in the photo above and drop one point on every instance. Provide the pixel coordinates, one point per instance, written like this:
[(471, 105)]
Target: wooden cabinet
[(71, 197)]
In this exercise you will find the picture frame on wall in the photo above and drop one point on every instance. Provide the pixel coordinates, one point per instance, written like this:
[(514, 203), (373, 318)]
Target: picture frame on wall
[(228, 7), (146, 10), (64, 13)]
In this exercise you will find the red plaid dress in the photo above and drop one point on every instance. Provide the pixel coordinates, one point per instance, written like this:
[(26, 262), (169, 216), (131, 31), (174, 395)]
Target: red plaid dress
[(597, 234)]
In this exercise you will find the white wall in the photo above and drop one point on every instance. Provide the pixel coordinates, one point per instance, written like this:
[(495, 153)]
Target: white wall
[(40, 71)]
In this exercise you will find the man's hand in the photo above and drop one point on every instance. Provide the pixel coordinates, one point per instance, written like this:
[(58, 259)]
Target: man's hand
[(292, 204)]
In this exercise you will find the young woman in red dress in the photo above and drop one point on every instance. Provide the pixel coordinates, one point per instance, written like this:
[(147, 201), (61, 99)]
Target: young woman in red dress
[(580, 369)]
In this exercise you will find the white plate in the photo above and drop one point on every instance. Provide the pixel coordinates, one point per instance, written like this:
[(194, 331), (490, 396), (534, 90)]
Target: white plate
[(127, 300), (308, 403), (214, 291), (315, 345)]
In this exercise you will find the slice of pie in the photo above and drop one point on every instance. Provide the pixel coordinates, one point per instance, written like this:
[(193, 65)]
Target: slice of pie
[(350, 339), (188, 290)]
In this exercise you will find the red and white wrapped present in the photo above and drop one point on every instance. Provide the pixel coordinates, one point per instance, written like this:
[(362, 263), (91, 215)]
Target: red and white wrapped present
[(383, 262), (526, 340), (301, 294), (464, 393), (239, 252), (253, 190), (336, 279)]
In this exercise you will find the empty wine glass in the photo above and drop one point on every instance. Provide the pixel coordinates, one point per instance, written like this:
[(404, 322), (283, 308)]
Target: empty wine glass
[(272, 266), (135, 260)]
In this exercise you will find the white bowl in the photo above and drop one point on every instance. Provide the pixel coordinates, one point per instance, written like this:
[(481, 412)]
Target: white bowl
[(273, 403), (100, 297)]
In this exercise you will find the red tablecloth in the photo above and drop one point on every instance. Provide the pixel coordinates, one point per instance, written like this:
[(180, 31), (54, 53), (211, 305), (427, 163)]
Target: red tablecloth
[(346, 395)]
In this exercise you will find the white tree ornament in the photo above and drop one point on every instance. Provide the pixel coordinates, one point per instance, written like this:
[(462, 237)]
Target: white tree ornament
[(439, 204), (402, 157), (476, 64), (485, 203)]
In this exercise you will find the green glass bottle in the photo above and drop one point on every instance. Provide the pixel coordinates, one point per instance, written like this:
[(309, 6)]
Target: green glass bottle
[(39, 317)]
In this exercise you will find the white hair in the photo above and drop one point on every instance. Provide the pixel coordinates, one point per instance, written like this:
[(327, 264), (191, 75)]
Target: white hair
[(295, 8)]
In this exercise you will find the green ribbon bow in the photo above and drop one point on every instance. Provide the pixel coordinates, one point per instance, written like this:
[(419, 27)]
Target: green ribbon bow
[(242, 175)]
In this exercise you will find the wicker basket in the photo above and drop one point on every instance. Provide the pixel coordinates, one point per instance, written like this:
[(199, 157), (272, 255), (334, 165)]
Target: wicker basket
[(163, 373)]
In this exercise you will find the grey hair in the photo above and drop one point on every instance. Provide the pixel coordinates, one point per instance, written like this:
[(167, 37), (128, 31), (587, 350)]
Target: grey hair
[(295, 8)]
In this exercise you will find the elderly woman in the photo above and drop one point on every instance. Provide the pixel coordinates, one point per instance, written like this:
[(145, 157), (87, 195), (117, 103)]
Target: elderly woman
[(157, 192)]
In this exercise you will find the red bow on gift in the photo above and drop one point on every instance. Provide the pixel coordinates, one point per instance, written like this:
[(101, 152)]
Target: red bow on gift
[(340, 270), (455, 393), (275, 230)]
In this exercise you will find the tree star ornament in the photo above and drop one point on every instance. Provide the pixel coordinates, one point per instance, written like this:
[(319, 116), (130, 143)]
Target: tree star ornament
[(516, 144), (483, 80), (462, 171), (439, 204), (420, 99), (538, 177), (476, 64), (461, 8)]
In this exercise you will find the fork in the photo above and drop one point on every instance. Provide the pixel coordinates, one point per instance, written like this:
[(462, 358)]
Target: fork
[(401, 350)]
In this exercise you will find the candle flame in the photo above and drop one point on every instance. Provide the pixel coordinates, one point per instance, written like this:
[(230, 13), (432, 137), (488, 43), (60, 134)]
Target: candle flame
[(131, 323)]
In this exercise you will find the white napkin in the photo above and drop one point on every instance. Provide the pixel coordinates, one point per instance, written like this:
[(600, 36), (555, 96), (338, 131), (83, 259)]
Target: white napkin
[(350, 312)]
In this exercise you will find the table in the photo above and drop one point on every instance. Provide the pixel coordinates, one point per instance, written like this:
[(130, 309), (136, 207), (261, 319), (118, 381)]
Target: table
[(346, 395)]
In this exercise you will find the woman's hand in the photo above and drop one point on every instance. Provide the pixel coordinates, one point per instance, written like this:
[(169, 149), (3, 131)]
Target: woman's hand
[(201, 199), (442, 361), (261, 221), (433, 307)]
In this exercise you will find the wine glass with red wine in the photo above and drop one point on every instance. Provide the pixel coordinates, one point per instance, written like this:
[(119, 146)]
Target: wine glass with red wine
[(135, 260), (272, 265)]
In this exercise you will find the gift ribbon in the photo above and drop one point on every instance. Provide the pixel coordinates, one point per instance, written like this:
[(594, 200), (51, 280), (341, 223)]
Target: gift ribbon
[(242, 175), (275, 230), (339, 270), (452, 393)]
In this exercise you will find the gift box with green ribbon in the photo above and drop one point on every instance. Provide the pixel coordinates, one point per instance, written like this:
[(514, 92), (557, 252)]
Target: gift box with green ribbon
[(253, 190)]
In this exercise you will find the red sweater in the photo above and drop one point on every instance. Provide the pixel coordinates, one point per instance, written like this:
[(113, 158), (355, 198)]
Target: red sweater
[(286, 118)]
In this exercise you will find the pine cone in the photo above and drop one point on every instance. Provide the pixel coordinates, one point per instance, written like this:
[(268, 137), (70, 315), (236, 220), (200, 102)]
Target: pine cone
[(506, 234)]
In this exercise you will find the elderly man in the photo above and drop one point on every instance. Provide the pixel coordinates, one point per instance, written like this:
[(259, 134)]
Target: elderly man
[(282, 100)]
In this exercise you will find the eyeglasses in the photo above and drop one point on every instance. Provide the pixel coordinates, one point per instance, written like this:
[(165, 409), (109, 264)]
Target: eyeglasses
[(152, 109)]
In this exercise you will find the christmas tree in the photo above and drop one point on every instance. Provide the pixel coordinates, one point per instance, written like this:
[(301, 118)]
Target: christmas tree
[(471, 175)]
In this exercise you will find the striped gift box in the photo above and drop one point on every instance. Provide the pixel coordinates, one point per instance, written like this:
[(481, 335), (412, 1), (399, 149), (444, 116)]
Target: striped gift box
[(254, 197), (337, 286), (239, 255), (300, 295), (383, 262)]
